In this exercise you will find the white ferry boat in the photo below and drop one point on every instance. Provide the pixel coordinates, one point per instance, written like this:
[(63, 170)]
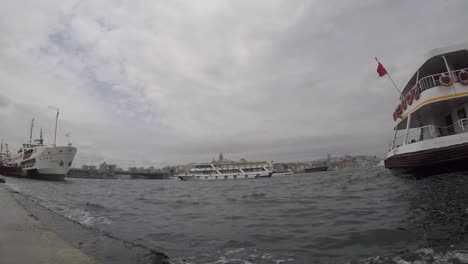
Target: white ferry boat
[(44, 162), (228, 171), (431, 118)]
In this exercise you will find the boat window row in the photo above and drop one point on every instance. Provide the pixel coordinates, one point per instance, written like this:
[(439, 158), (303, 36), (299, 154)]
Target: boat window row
[(229, 171), (253, 169), (205, 172), (203, 166), (223, 177)]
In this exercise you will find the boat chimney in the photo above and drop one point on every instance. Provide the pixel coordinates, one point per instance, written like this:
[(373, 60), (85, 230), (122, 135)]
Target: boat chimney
[(30, 134), (40, 137)]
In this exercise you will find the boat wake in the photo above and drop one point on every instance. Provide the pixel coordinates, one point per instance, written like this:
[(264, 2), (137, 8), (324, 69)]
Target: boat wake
[(422, 256)]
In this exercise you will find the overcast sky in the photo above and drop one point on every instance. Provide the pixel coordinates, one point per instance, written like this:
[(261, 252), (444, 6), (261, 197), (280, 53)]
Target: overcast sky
[(169, 82)]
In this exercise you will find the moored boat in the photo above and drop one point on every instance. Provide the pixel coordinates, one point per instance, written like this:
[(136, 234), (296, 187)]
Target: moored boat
[(227, 171), (283, 173), (6, 167), (40, 161), (431, 121)]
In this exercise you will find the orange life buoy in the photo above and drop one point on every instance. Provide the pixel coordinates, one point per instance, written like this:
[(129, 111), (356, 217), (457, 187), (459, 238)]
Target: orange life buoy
[(463, 77), (394, 116), (405, 105), (417, 92), (445, 79), (409, 98)]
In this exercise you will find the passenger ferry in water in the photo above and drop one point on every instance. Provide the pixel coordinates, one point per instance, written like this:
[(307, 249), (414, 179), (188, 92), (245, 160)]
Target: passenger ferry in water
[(40, 161), (228, 171), (431, 121)]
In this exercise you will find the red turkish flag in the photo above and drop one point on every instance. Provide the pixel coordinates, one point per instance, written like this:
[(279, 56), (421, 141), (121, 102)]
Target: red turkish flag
[(381, 69)]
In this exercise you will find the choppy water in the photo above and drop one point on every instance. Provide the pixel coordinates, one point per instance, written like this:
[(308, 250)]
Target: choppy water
[(357, 216)]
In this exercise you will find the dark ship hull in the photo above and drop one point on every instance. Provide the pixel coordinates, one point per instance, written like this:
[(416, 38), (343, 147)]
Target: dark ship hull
[(316, 169), (431, 161), (11, 171)]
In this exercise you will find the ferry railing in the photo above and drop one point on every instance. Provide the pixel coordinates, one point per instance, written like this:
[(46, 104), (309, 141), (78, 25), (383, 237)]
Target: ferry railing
[(463, 123), (420, 134), (429, 81), (414, 135), (429, 132), (432, 81), (398, 142), (446, 130)]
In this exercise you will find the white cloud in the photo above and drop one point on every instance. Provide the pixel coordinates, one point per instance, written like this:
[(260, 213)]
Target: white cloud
[(182, 80)]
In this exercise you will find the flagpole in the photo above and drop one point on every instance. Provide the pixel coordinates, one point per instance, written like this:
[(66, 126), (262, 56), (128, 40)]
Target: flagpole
[(396, 87), (390, 77)]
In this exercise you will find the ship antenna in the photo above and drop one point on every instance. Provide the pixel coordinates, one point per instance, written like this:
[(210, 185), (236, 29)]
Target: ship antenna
[(55, 134), (30, 134)]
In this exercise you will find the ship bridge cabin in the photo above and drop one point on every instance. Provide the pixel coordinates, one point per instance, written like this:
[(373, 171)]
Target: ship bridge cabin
[(434, 103)]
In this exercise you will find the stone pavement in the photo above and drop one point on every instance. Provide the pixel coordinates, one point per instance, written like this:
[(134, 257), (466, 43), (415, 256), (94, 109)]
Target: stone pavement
[(23, 239)]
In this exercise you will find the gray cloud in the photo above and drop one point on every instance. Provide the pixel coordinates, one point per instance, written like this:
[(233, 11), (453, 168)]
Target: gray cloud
[(179, 81)]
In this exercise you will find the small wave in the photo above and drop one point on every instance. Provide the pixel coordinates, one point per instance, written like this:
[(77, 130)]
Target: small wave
[(238, 244), (224, 260), (234, 251), (79, 214), (95, 207), (422, 256), (234, 217), (254, 195), (85, 217)]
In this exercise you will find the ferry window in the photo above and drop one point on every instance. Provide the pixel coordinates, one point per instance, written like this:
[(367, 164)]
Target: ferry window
[(461, 113), (225, 177)]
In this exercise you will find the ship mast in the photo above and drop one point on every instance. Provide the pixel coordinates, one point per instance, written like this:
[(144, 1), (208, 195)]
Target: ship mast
[(55, 134), (1, 147), (30, 134)]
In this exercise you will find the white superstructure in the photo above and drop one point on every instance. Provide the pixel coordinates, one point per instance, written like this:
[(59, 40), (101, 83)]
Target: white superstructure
[(227, 171)]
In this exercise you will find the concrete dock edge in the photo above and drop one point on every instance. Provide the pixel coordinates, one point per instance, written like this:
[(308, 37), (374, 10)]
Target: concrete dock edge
[(23, 239)]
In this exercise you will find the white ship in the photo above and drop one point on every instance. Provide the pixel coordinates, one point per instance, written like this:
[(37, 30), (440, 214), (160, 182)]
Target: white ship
[(431, 121), (44, 162), (227, 171)]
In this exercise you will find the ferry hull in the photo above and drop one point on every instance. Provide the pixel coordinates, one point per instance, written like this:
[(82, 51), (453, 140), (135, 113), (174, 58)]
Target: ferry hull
[(52, 165), (316, 169), (34, 174), (444, 159)]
